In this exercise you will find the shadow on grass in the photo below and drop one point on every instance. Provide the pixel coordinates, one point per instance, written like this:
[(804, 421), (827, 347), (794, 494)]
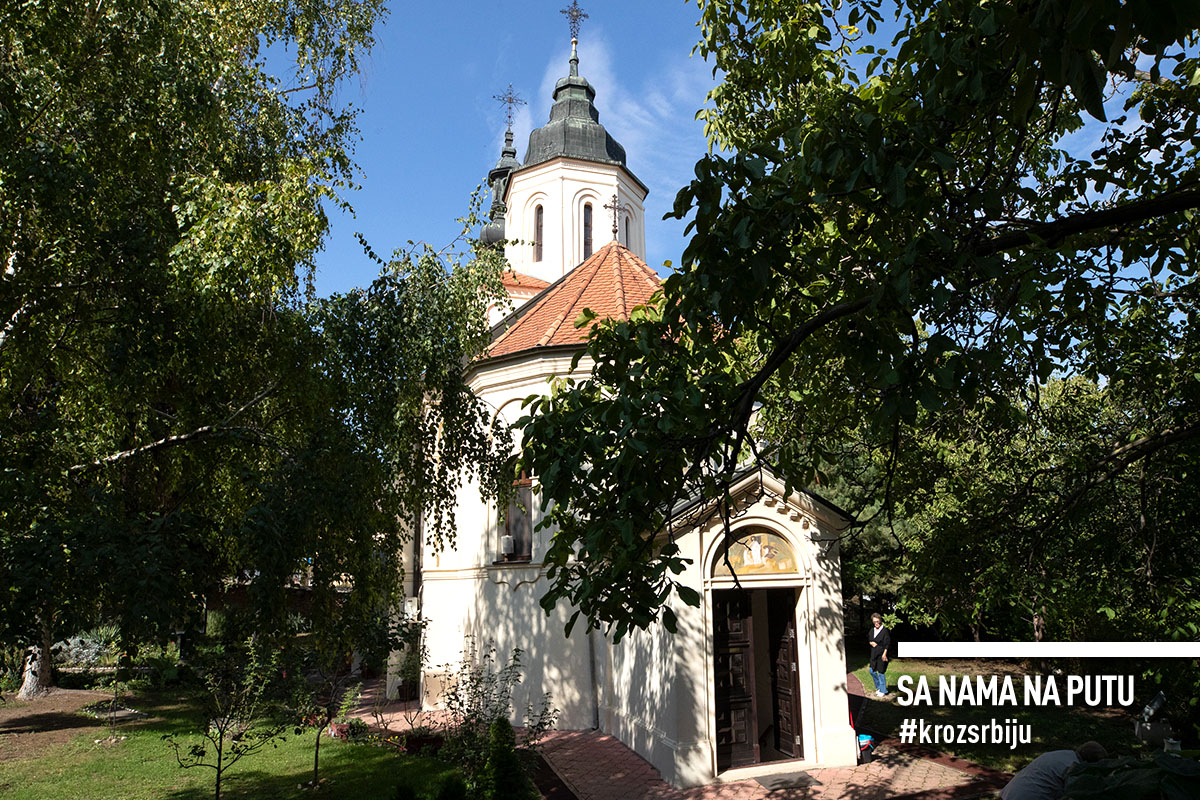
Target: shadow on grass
[(50, 721), (355, 772), (165, 713), (857, 656)]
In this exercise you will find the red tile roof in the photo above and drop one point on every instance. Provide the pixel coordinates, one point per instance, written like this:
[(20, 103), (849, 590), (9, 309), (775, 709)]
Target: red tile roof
[(519, 280), (611, 283)]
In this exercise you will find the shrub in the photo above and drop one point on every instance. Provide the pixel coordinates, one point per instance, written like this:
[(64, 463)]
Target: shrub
[(12, 665), (478, 694), (452, 787), (503, 775), (97, 647), (164, 670), (357, 731)]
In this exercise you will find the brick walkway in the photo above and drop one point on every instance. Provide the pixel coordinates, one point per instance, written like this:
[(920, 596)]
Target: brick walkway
[(599, 767)]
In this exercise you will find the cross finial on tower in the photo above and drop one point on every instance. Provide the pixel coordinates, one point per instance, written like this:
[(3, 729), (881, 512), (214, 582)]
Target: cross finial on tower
[(574, 15), (615, 207), (511, 100)]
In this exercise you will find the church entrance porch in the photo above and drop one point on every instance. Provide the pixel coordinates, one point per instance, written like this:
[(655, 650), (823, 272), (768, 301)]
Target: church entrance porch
[(756, 677)]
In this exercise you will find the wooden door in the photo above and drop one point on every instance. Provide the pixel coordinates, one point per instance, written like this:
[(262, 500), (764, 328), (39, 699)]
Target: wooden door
[(737, 720), (785, 672)]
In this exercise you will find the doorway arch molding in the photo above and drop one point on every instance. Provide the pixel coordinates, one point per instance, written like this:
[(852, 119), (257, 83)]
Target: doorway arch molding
[(748, 525)]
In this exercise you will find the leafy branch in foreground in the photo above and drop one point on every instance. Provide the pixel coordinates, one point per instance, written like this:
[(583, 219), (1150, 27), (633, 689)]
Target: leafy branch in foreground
[(900, 225)]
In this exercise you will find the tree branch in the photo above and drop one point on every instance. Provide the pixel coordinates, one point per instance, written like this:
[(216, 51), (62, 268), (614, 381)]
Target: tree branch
[(1120, 459), (203, 432), (1054, 232), (749, 389)]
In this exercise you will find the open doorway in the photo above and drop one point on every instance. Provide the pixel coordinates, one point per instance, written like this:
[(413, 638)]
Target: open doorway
[(757, 676)]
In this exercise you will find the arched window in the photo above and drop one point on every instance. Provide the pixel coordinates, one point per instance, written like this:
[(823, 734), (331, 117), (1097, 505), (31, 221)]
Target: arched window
[(587, 230), (537, 234), (625, 225)]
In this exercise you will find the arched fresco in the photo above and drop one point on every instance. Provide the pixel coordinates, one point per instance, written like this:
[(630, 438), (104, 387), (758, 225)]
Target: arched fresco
[(758, 553)]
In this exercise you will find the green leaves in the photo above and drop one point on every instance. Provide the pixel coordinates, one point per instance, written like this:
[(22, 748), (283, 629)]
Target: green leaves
[(876, 256), (179, 411)]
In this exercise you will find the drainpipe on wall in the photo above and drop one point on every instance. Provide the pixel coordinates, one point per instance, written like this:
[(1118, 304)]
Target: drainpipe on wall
[(595, 683), (418, 552), (416, 577)]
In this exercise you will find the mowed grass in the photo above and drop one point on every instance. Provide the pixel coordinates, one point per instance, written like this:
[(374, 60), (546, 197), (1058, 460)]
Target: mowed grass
[(144, 766), (1051, 728)]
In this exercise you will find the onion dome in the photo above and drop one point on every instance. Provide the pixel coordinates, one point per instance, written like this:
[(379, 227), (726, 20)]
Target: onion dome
[(574, 129), (493, 232)]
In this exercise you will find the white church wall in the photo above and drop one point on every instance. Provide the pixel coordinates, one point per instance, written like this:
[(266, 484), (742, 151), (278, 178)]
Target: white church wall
[(466, 594), (499, 606), (654, 691)]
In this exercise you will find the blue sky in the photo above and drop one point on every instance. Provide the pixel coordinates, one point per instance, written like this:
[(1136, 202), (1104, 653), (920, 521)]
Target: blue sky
[(431, 129)]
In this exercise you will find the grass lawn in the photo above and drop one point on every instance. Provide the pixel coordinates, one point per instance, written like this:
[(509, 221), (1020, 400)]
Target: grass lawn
[(143, 766), (1052, 728)]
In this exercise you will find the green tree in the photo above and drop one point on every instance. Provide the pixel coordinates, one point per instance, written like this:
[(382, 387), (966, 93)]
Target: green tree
[(179, 412), (897, 223), (235, 723), (160, 204)]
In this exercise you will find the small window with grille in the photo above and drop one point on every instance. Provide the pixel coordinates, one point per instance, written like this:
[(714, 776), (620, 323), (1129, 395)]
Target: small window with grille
[(538, 220), (516, 544), (587, 230)]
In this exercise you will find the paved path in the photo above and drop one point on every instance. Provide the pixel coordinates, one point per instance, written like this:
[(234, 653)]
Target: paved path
[(596, 766)]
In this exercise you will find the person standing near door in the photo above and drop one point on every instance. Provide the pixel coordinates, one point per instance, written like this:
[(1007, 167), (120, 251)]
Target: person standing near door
[(881, 640)]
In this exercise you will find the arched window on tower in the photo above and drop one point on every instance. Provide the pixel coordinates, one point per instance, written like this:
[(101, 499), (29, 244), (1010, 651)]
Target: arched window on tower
[(625, 234), (587, 230), (537, 233)]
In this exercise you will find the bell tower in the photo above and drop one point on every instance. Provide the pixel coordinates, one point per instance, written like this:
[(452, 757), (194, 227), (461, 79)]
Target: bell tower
[(553, 205)]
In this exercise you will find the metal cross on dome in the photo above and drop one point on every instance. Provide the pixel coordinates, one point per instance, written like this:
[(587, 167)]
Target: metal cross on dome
[(616, 209), (511, 100), (574, 15)]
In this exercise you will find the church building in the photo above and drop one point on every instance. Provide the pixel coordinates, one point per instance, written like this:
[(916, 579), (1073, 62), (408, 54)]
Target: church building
[(754, 681)]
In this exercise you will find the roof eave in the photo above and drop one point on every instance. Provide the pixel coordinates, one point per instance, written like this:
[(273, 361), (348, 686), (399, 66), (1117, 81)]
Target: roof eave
[(508, 186), (490, 362)]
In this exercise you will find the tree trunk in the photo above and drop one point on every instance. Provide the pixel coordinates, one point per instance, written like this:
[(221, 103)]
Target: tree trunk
[(220, 763), (317, 757), (39, 668)]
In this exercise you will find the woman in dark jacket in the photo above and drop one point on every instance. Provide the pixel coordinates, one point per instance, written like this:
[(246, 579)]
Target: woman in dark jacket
[(881, 640)]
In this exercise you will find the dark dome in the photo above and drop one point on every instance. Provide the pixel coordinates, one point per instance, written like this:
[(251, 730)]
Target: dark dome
[(574, 129)]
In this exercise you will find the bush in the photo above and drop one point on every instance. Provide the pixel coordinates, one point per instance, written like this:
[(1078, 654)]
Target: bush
[(94, 648), (164, 669), (452, 787), (357, 731), (12, 666), (477, 697), (503, 776)]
